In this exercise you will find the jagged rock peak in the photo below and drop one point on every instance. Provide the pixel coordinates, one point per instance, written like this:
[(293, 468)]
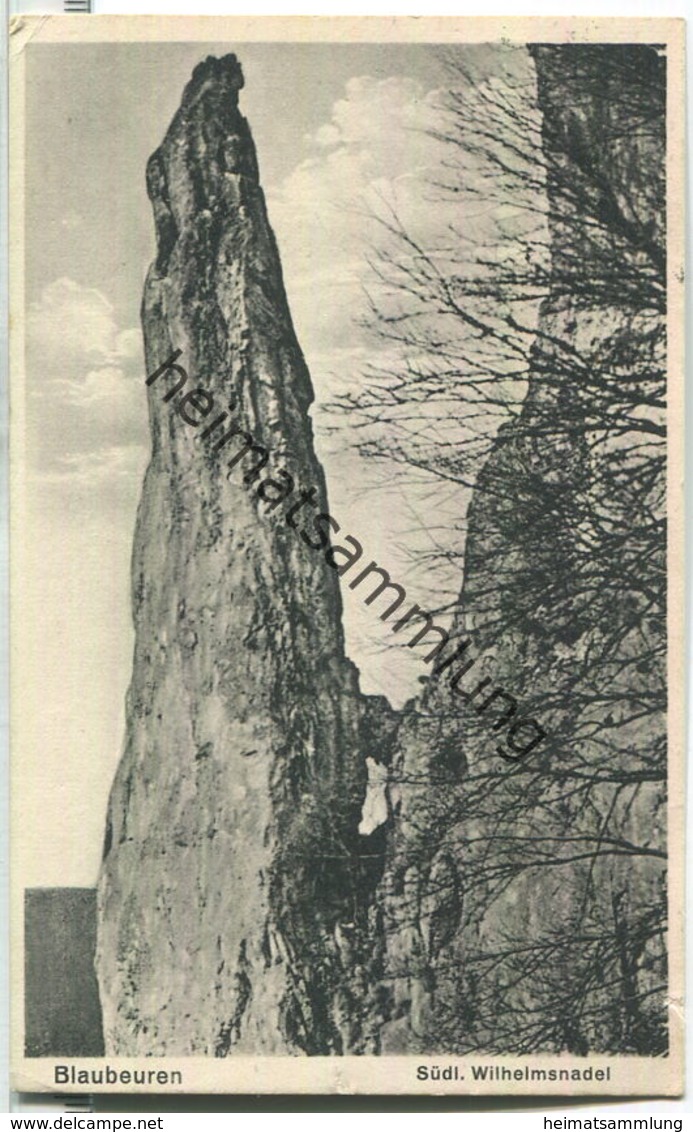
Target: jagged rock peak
[(232, 901), (226, 71), (207, 153)]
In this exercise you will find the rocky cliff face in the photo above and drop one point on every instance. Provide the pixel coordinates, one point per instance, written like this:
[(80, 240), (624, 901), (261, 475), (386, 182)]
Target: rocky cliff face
[(521, 907), (524, 896), (231, 886)]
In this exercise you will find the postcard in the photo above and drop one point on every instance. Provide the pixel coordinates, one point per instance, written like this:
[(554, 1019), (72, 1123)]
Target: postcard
[(346, 549)]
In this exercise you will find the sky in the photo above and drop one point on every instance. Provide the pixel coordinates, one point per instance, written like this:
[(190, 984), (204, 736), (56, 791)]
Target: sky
[(339, 130)]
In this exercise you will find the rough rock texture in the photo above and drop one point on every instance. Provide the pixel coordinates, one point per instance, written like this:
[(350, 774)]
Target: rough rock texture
[(524, 903), (230, 889)]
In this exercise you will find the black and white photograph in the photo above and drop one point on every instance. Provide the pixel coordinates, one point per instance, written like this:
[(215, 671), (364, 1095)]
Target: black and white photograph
[(347, 572)]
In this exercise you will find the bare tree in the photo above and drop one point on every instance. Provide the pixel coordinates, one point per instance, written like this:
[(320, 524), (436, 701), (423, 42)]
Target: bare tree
[(533, 369)]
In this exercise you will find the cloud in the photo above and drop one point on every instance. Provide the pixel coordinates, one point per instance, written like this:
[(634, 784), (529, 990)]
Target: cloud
[(70, 321), (373, 153), (107, 387), (386, 121), (376, 158), (378, 135), (86, 407), (96, 469)]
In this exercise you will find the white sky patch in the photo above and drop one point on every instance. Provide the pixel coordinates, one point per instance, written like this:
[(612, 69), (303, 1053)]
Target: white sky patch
[(377, 164), (97, 469), (70, 320), (87, 370), (374, 148), (106, 388), (374, 158)]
